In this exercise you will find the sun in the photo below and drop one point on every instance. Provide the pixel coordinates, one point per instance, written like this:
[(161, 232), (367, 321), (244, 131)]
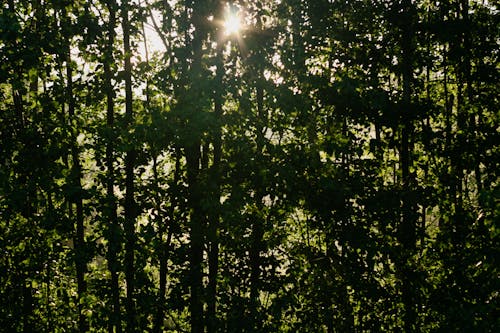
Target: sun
[(232, 23)]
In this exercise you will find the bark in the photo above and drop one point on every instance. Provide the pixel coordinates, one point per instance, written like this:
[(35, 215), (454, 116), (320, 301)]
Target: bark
[(17, 82), (79, 237), (408, 221), (165, 245), (214, 214), (257, 225), (17, 96), (111, 214), (196, 238), (48, 279), (257, 233), (470, 93), (344, 229), (130, 204), (193, 160), (27, 306)]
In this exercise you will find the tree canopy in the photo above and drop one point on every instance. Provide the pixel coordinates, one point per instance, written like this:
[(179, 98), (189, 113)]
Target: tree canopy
[(249, 166)]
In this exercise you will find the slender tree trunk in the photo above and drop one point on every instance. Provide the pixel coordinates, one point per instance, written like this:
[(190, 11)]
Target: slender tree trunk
[(213, 263), (469, 91), (163, 249), (27, 306), (79, 238), (426, 127), (48, 280), (408, 221), (344, 229), (111, 213), (475, 122), (257, 233), (17, 85), (33, 74), (257, 224), (214, 214), (130, 204), (165, 245), (196, 238), (213, 259), (193, 160), (16, 94), (457, 163)]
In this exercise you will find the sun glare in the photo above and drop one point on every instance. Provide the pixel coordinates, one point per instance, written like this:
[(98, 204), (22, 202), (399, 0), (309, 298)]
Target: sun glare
[(232, 23)]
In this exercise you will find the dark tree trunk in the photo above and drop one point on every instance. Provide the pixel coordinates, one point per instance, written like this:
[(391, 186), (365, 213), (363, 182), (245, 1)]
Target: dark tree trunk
[(193, 160), (214, 214), (129, 204), (407, 230), (111, 214), (27, 307), (257, 233), (79, 237), (165, 245), (196, 237)]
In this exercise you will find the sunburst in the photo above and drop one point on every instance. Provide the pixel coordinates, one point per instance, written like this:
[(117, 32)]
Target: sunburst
[(232, 22)]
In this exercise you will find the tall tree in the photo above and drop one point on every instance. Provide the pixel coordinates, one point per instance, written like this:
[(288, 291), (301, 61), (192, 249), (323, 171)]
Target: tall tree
[(192, 151), (215, 176), (130, 206), (111, 207)]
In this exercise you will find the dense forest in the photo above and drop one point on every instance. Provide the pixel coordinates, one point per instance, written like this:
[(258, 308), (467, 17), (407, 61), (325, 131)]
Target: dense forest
[(249, 166)]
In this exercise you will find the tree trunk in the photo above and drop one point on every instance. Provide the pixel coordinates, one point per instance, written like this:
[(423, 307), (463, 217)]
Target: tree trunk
[(130, 204), (257, 224), (193, 160), (257, 233), (408, 221), (165, 245), (79, 237), (111, 214), (214, 214), (27, 306), (196, 238)]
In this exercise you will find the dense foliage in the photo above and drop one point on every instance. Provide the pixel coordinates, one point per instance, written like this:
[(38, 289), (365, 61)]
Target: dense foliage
[(332, 166)]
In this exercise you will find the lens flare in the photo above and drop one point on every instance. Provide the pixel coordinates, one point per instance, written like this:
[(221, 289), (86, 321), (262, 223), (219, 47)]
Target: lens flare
[(232, 23)]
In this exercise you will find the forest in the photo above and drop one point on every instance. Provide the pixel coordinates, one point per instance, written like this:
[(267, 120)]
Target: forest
[(249, 166)]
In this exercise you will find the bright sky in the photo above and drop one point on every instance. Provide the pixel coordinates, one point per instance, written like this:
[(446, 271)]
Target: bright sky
[(232, 22), (232, 25)]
